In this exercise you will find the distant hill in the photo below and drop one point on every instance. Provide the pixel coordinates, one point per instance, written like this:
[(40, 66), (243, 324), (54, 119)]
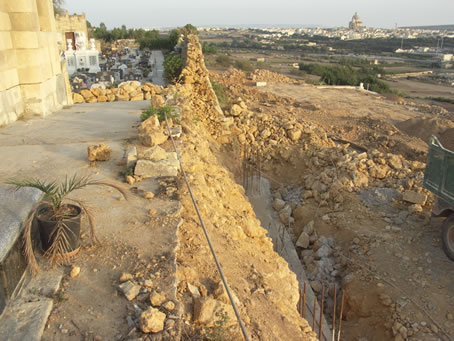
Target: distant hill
[(434, 27)]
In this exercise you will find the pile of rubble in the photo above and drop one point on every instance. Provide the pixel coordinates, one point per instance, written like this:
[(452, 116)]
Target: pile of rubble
[(127, 91), (262, 75)]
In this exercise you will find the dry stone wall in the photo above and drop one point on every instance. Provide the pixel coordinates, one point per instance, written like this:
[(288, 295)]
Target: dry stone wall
[(128, 91)]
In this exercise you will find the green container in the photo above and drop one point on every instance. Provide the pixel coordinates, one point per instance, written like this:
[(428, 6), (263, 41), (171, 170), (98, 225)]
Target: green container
[(439, 173)]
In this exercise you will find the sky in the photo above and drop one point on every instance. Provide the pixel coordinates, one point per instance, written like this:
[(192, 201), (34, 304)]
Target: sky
[(326, 13)]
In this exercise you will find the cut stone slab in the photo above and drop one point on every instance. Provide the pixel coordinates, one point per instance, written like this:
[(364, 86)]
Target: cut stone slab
[(149, 169), (25, 321)]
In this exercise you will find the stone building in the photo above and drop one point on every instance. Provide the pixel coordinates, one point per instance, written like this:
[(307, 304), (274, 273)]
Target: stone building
[(33, 79), (356, 22), (68, 26)]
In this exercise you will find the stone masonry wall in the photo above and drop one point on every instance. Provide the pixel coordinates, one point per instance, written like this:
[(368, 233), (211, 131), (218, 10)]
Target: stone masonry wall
[(31, 78)]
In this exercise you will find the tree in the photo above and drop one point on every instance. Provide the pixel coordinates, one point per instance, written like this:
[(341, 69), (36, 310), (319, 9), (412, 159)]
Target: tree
[(58, 6), (189, 29)]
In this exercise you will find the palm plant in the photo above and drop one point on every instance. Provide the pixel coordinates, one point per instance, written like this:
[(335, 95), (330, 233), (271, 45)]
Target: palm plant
[(57, 209)]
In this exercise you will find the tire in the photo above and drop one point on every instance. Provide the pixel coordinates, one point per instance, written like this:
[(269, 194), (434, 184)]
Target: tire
[(447, 236)]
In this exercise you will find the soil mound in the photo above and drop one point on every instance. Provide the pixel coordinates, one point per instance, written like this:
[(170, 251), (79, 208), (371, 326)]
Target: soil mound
[(425, 127), (447, 139)]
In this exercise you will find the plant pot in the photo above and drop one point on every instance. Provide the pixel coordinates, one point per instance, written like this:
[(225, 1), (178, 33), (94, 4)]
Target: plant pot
[(69, 226)]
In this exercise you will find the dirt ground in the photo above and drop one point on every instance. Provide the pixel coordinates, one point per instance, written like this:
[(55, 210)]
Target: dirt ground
[(405, 264)]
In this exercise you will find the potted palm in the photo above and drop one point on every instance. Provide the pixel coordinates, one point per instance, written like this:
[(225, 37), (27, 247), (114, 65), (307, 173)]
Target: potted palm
[(58, 217)]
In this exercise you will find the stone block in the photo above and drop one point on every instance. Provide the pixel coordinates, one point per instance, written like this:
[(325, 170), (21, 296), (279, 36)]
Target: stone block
[(5, 23), (25, 39), (155, 153), (5, 41), (149, 169), (8, 60), (24, 21)]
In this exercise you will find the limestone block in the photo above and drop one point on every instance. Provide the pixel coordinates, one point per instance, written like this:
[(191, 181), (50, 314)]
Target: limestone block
[(123, 98), (5, 23), (9, 79), (102, 99), (111, 98), (24, 21), (30, 74), (25, 40), (5, 41), (8, 60), (148, 169), (21, 6)]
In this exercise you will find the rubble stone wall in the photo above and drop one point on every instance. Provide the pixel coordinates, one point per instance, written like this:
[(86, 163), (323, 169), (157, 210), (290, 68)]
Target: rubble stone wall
[(31, 78), (223, 200)]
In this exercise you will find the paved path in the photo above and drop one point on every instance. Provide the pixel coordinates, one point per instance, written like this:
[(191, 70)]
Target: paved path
[(132, 239), (157, 60)]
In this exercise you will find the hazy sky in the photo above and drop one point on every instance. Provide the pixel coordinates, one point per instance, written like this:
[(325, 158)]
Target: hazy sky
[(329, 13)]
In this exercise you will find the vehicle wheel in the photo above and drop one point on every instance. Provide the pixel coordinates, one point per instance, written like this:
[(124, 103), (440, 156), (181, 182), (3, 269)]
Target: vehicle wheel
[(447, 236)]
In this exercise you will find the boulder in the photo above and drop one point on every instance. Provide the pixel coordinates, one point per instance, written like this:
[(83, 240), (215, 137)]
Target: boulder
[(278, 204), (130, 290), (150, 124), (154, 138), (102, 99), (303, 240), (152, 321), (294, 134), (208, 312), (137, 97), (415, 197), (99, 152), (122, 98), (77, 98), (395, 162), (157, 101), (86, 93), (155, 153), (157, 299)]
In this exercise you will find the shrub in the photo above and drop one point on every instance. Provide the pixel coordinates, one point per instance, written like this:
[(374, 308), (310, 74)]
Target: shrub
[(224, 60), (172, 68), (161, 113), (244, 65), (219, 90), (209, 48)]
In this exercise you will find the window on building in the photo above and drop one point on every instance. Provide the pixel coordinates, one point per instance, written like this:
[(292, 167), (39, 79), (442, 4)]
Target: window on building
[(92, 60)]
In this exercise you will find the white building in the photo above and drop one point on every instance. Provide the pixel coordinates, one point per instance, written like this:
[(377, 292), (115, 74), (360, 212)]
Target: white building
[(81, 59)]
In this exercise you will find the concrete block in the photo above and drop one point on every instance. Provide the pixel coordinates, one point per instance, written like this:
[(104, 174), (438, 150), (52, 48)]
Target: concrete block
[(25, 321), (14, 209), (149, 169)]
